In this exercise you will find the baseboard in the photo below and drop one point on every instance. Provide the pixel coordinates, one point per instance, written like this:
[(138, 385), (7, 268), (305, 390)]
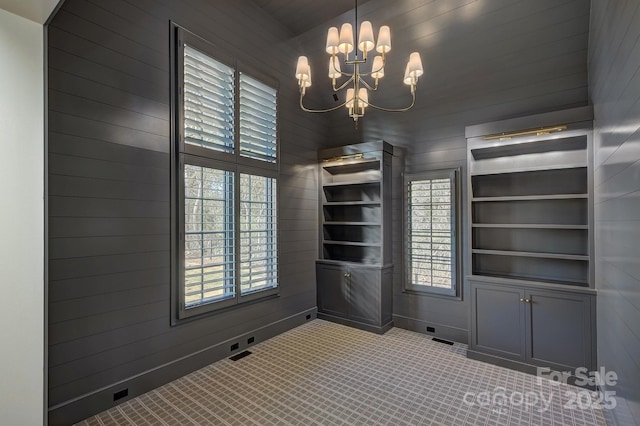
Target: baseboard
[(521, 366), (441, 331), (359, 325), (502, 362), (95, 402)]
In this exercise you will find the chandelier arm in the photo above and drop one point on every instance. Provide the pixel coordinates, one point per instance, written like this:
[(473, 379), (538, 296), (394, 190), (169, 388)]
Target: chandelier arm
[(342, 73), (413, 101), (373, 71), (305, 109), (343, 85), (368, 86)]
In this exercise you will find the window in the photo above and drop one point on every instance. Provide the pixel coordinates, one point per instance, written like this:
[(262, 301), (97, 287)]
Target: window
[(209, 254), (208, 102), (431, 232), (258, 239), (225, 182), (257, 120)]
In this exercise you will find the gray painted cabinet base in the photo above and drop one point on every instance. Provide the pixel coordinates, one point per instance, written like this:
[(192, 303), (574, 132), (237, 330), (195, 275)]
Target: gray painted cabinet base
[(524, 327), (355, 295)]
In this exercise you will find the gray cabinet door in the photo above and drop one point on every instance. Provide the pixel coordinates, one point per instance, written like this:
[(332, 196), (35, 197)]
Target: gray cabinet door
[(333, 291), (364, 295), (498, 320), (559, 329)]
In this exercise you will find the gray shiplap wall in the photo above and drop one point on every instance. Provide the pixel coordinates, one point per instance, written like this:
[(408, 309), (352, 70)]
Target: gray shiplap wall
[(614, 84), (109, 187), (484, 60)]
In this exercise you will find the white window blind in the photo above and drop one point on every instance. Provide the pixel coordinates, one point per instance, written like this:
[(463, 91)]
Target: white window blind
[(257, 120), (209, 261), (258, 233), (431, 234), (208, 102)]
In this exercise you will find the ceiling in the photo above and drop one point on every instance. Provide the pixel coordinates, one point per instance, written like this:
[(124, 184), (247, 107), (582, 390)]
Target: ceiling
[(300, 16), (35, 10)]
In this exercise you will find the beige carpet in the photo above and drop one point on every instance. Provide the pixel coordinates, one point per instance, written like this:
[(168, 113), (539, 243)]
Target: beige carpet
[(328, 374)]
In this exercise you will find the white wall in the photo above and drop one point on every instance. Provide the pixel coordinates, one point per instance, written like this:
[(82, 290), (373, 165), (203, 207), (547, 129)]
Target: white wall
[(21, 221)]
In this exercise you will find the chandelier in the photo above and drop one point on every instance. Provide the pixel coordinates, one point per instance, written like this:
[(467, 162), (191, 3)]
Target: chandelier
[(363, 79)]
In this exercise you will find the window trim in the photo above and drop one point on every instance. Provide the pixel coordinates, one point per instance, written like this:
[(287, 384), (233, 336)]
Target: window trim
[(182, 153), (456, 265)]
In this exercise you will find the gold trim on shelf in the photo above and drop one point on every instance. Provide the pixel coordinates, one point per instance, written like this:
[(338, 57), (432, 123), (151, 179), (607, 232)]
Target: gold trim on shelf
[(343, 158), (533, 132)]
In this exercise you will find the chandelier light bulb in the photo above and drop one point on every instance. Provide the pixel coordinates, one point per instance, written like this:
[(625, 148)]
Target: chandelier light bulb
[(346, 39), (303, 72), (377, 69), (333, 39), (384, 40), (307, 82), (363, 97), (415, 65), (350, 96), (366, 41), (407, 77)]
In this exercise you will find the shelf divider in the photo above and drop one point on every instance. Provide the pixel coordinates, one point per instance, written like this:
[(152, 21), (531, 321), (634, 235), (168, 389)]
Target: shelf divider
[(350, 243), (351, 223), (528, 226), (531, 169), (531, 254), (531, 197), (351, 183)]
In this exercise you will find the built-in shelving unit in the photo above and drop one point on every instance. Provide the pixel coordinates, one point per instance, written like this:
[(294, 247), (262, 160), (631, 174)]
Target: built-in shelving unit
[(530, 208), (531, 247), (352, 206), (354, 273)]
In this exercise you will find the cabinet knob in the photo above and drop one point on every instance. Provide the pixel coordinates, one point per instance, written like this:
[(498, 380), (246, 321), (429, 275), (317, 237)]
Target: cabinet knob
[(524, 300), (347, 275)]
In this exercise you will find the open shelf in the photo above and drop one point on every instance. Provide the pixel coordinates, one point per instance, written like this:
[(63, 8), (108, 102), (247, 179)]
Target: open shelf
[(366, 232), (351, 243), (527, 226), (350, 223), (532, 197), (530, 183), (351, 183), (550, 242), (574, 143), (362, 253), (552, 270), (346, 213), (351, 203), (356, 194), (542, 255), (485, 171), (534, 212), (353, 166)]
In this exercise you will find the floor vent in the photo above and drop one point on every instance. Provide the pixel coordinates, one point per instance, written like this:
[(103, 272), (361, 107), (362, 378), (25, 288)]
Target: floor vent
[(446, 342), (240, 355)]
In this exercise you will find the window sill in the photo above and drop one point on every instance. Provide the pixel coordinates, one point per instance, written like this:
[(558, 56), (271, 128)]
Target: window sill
[(427, 293), (244, 301)]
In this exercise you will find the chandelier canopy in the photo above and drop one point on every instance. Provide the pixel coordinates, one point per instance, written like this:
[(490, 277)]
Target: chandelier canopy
[(360, 81)]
